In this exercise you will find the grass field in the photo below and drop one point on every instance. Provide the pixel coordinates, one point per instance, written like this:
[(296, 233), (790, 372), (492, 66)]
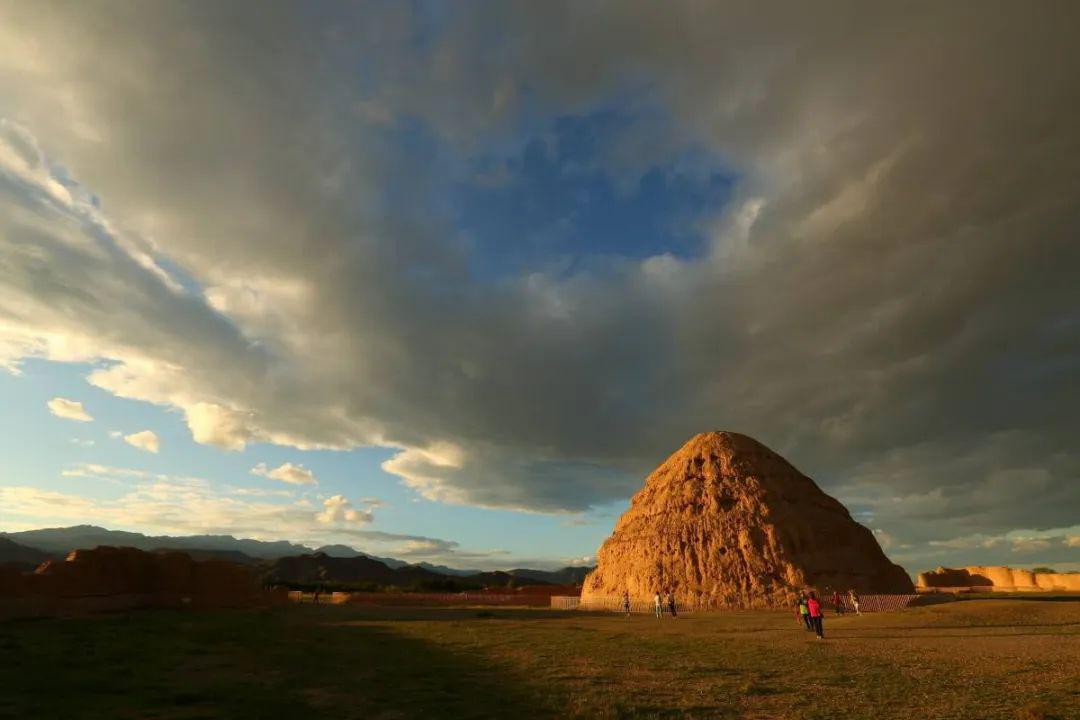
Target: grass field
[(973, 659)]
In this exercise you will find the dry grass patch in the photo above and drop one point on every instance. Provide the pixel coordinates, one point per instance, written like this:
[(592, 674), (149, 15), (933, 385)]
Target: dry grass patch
[(986, 660)]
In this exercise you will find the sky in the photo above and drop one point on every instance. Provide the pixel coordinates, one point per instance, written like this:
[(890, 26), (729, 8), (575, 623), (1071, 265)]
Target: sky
[(445, 281)]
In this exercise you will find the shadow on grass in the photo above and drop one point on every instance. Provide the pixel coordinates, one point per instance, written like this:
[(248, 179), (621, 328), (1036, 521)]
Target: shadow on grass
[(244, 665), (942, 636), (971, 626)]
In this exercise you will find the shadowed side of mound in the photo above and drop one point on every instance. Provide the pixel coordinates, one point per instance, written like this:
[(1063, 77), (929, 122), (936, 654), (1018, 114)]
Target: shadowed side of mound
[(725, 521)]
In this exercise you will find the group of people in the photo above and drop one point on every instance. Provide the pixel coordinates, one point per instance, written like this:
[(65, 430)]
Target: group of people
[(808, 607), (810, 612), (659, 604)]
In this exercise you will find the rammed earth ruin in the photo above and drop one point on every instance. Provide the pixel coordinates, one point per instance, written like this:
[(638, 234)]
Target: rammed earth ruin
[(726, 521)]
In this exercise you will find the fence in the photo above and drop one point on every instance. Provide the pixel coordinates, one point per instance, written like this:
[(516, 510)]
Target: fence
[(637, 605), (867, 603), (879, 603)]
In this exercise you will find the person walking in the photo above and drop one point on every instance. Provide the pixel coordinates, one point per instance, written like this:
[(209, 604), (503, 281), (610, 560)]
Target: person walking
[(854, 598), (838, 602), (658, 605), (671, 604), (814, 607), (626, 602), (804, 612)]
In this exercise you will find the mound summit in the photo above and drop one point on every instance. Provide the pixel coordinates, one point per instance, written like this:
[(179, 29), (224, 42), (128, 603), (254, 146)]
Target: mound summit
[(726, 520)]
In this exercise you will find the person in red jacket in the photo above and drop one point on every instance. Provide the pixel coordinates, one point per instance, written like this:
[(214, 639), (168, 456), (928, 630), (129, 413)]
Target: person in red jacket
[(815, 615), (838, 602)]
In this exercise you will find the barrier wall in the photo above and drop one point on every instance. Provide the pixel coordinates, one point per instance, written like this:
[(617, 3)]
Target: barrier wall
[(867, 603), (990, 578)]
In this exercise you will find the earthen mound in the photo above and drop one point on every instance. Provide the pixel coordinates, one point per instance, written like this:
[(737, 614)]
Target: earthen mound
[(164, 578), (725, 521), (998, 577)]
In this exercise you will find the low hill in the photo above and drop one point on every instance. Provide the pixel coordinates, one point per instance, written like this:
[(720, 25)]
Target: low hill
[(320, 569), (344, 551), (323, 569), (233, 556), (570, 575), (21, 556), (444, 570)]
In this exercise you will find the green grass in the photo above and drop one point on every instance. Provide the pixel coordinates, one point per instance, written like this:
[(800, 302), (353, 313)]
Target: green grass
[(975, 659)]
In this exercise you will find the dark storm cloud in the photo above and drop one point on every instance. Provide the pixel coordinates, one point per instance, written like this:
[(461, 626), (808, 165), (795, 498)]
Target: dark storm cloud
[(891, 299)]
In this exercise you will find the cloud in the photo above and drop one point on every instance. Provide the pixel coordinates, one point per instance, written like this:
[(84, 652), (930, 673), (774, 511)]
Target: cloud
[(1028, 544), (862, 303), (94, 470), (69, 410), (585, 560), (171, 504), (286, 472), (339, 510), (144, 440), (428, 547), (1017, 548), (213, 424)]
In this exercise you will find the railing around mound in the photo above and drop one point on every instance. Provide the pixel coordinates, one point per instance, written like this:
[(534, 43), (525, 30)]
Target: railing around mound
[(615, 604), (867, 603)]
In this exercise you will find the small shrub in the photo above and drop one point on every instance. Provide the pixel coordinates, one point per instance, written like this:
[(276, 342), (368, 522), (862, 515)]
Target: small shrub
[(752, 688)]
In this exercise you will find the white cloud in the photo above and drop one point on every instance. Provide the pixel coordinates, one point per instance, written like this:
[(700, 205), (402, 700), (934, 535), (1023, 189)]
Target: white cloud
[(212, 424), (286, 472), (69, 409), (94, 470), (144, 440), (884, 539), (82, 442), (426, 547), (172, 504), (1029, 544), (338, 509)]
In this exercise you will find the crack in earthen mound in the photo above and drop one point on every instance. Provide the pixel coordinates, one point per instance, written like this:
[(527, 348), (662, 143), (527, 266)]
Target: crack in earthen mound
[(726, 521)]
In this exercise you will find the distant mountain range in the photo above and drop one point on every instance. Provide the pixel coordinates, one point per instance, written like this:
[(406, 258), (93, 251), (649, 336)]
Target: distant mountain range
[(63, 540), (283, 560), (356, 572), (344, 551)]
